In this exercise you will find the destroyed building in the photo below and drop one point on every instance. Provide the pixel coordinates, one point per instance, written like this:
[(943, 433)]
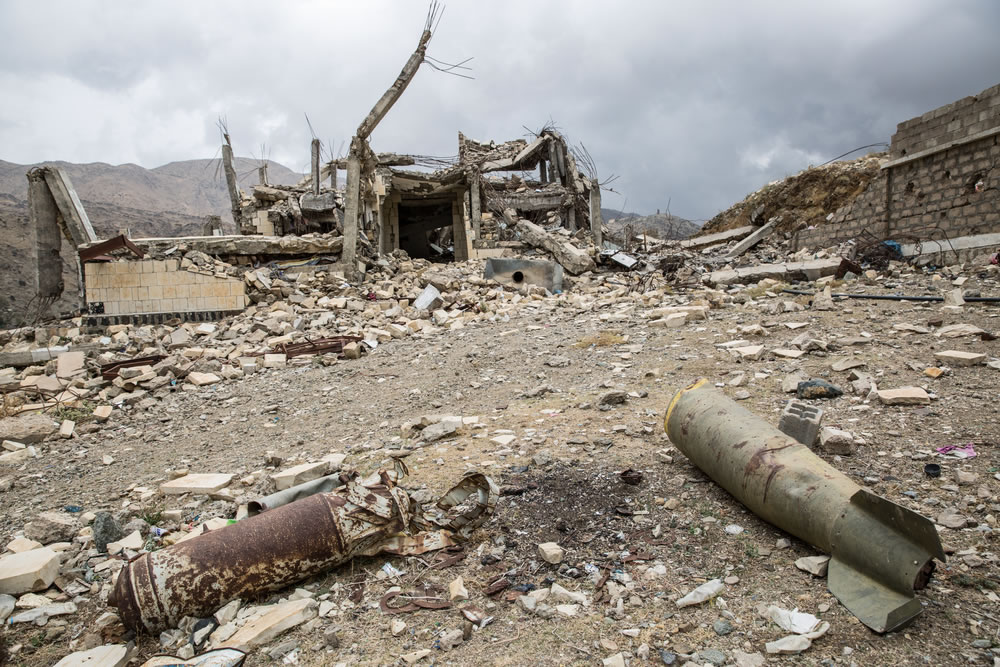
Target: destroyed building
[(937, 188)]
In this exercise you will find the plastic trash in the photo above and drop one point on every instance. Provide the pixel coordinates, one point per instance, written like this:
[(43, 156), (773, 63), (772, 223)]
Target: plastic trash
[(706, 591)]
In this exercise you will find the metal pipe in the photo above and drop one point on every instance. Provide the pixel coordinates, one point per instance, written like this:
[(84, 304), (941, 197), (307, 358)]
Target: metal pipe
[(880, 552), (287, 544), (896, 297)]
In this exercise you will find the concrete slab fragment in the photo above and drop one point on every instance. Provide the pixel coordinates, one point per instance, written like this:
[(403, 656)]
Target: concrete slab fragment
[(203, 483), (517, 272)]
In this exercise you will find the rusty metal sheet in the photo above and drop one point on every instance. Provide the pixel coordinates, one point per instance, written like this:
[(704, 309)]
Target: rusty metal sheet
[(110, 371), (334, 345), (880, 552), (286, 544), (117, 243)]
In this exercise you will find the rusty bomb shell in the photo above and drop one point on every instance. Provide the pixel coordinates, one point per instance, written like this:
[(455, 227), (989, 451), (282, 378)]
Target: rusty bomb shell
[(290, 543), (880, 552)]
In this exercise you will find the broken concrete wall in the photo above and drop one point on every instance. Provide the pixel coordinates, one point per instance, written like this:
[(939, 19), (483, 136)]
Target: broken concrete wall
[(941, 179), (158, 286)]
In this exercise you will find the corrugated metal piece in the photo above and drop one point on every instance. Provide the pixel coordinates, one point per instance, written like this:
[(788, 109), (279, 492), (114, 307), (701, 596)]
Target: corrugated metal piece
[(880, 552)]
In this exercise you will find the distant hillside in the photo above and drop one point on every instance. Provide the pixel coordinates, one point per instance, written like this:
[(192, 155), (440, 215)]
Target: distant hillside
[(171, 200), (191, 187), (660, 225)]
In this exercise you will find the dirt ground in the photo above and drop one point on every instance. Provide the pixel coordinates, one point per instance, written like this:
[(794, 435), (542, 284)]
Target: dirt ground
[(561, 479)]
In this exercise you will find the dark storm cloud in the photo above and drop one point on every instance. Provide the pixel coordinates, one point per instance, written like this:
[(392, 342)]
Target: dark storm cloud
[(693, 103)]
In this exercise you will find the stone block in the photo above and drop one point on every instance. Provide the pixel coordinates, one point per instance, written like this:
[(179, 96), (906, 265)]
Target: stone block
[(33, 570), (201, 483), (801, 421)]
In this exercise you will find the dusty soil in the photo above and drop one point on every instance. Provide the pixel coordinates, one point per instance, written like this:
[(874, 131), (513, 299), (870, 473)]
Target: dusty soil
[(562, 475)]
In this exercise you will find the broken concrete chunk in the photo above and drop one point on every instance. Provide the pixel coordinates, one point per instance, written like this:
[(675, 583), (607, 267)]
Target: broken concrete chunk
[(22, 544), (457, 590), (50, 527), (281, 618), (838, 442), (33, 570), (102, 412), (275, 361), (815, 565), (28, 428), (748, 352), (958, 358), (904, 396), (571, 258), (299, 474), (111, 655), (551, 552), (202, 379), (202, 483), (132, 542)]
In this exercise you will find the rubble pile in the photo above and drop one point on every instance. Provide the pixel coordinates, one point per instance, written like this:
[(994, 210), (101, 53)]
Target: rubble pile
[(803, 200), (62, 560)]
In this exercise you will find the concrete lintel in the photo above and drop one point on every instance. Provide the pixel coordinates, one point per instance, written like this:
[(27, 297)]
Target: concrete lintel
[(986, 134)]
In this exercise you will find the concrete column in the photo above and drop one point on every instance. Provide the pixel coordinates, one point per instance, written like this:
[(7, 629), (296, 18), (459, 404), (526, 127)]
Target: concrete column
[(351, 205), (315, 166), (43, 212), (595, 213), (262, 174), (571, 217), (460, 234), (229, 167), (543, 175), (475, 205)]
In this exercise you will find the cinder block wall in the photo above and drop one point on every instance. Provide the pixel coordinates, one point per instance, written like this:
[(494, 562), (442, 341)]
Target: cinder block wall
[(961, 119), (942, 180), (159, 286)]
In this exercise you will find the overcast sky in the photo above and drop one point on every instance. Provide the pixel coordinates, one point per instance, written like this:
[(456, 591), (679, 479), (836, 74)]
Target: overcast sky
[(696, 103)]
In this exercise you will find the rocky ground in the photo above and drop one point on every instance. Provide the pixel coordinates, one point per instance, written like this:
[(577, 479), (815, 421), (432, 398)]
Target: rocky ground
[(581, 380)]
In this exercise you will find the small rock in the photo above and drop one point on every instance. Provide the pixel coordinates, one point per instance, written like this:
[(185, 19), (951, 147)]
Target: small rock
[(817, 388), (722, 627)]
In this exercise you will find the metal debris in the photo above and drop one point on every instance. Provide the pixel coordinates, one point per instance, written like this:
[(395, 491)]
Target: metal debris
[(281, 546), (880, 552)]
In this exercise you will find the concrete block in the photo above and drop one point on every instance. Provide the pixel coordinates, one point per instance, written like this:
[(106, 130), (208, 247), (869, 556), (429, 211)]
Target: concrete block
[(200, 483), (517, 272), (801, 421), (32, 570)]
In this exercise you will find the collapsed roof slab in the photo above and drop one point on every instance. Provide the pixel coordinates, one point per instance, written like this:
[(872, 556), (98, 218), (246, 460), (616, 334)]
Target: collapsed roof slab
[(233, 246)]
